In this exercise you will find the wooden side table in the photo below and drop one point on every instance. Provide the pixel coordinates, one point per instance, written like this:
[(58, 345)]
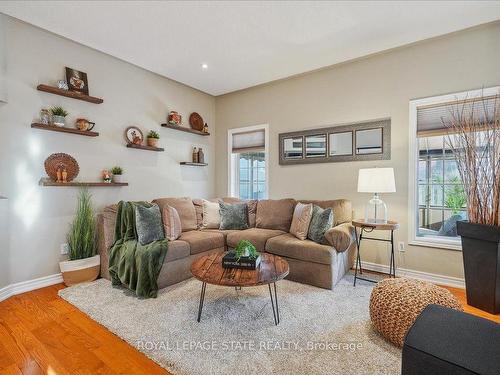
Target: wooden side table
[(368, 228)]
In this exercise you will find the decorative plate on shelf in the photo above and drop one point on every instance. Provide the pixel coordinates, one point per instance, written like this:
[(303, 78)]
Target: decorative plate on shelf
[(134, 135), (196, 121), (61, 161)]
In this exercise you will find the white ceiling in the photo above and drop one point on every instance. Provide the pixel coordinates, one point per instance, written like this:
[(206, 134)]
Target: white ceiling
[(247, 43)]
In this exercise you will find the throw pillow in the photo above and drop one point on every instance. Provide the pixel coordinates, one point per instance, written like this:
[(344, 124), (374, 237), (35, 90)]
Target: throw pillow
[(171, 223), (148, 224), (211, 215), (300, 220), (321, 221), (233, 216)]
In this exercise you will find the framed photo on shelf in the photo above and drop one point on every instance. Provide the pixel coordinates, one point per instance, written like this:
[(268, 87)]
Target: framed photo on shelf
[(77, 81)]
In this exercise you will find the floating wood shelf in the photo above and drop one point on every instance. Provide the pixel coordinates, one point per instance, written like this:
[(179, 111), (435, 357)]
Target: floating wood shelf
[(184, 129), (48, 182), (193, 164), (69, 94), (145, 147), (54, 128)]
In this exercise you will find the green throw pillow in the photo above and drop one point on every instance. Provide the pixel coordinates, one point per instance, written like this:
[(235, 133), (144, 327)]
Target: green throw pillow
[(321, 221), (233, 216), (148, 224)]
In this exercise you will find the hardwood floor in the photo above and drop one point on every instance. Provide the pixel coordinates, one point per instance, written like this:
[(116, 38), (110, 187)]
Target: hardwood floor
[(42, 334)]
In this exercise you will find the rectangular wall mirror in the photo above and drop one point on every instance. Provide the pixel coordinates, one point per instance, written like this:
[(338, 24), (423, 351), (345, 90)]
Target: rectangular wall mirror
[(293, 148), (361, 141), (369, 141), (340, 143), (316, 146)]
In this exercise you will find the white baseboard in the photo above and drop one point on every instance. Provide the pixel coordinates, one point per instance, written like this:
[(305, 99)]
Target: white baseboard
[(26, 286), (419, 275)]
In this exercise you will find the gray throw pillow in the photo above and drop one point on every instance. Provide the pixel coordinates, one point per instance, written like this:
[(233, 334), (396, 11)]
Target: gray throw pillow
[(148, 224), (321, 221), (233, 216)]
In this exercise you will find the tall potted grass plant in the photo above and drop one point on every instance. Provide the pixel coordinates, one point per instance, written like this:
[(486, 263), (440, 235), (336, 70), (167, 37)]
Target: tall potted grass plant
[(83, 264), (474, 137)]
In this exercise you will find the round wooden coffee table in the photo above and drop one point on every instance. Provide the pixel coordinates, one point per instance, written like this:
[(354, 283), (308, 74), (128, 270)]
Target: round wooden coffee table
[(208, 269)]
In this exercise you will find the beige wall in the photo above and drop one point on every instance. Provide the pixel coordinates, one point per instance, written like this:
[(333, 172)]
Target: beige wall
[(39, 216), (370, 88)]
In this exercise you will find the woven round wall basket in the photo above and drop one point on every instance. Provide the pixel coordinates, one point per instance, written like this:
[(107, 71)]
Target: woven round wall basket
[(61, 161)]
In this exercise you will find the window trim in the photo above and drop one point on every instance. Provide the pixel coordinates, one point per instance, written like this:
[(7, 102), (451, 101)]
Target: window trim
[(233, 172), (430, 241)]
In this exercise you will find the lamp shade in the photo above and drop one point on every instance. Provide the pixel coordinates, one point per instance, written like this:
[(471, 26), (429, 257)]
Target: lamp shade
[(376, 180)]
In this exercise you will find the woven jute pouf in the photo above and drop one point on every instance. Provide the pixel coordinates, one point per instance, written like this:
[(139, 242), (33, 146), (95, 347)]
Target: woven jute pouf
[(396, 303)]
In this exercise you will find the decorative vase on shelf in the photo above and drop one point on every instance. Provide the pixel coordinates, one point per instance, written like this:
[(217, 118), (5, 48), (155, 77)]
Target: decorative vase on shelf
[(117, 178), (195, 155), (205, 128), (45, 117), (62, 84), (152, 142), (58, 121), (201, 156)]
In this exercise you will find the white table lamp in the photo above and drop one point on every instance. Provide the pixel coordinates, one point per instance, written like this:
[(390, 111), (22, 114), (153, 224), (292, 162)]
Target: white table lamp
[(376, 180)]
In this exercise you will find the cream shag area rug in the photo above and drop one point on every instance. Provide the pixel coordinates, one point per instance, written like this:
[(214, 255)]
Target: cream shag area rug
[(321, 331)]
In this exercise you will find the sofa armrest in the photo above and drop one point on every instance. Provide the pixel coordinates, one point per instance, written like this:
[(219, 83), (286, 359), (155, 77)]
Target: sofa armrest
[(341, 236)]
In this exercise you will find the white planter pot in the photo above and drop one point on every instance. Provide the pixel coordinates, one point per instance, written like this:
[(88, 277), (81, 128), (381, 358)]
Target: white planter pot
[(117, 178), (59, 121), (80, 270)]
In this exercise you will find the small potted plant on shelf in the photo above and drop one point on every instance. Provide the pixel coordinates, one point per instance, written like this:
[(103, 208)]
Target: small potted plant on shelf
[(474, 138), (58, 116), (117, 174), (153, 138), (83, 264)]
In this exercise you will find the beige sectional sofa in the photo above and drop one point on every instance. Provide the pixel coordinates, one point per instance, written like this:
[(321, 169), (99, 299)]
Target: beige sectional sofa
[(321, 265)]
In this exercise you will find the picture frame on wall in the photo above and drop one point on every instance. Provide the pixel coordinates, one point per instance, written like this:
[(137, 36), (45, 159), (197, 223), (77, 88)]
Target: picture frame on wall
[(369, 141), (293, 148), (315, 146), (357, 141), (77, 81), (340, 144)]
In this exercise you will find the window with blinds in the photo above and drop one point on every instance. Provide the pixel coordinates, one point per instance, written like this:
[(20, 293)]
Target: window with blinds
[(440, 196), (249, 141), (249, 164), (432, 119)]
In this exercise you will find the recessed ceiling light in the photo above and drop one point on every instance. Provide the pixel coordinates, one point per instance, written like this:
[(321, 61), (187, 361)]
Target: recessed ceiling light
[(204, 66)]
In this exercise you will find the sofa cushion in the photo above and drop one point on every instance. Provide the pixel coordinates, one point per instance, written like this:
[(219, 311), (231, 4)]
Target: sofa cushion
[(211, 215), (341, 237), (275, 214), (200, 241), (171, 223), (287, 245), (233, 216), (177, 250), (224, 232), (184, 207), (342, 209), (300, 221), (148, 224), (257, 236), (198, 209), (321, 221), (252, 208)]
